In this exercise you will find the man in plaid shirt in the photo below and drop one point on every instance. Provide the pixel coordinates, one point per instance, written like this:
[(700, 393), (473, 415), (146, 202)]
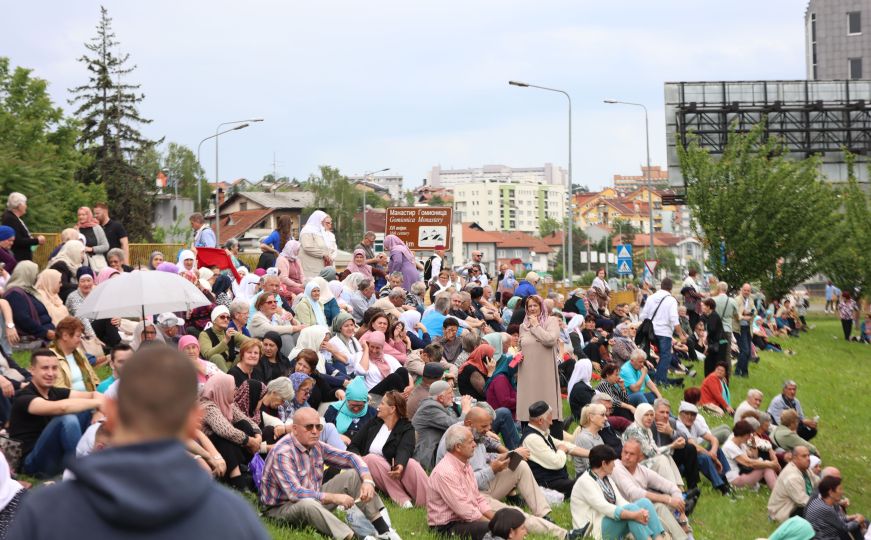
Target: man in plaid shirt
[(292, 488)]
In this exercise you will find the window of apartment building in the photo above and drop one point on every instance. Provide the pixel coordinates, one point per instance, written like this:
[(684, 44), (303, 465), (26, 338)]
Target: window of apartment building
[(854, 23), (855, 65)]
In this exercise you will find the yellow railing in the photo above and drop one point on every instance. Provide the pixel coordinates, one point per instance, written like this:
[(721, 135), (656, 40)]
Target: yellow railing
[(139, 253)]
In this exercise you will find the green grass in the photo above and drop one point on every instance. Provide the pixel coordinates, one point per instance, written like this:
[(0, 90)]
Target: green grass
[(833, 382)]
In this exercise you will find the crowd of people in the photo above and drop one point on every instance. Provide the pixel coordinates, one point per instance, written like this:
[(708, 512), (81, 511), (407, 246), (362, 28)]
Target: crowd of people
[(434, 385)]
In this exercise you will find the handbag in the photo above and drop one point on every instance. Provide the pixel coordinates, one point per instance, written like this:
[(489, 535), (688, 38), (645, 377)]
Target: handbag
[(97, 262), (645, 334), (11, 450)]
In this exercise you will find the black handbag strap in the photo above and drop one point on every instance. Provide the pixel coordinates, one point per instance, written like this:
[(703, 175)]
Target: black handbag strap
[(659, 305)]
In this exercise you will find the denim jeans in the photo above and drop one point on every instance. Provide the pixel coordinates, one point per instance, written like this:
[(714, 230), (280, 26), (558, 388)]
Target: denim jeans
[(504, 425), (56, 444), (742, 367), (638, 398), (707, 467), (613, 529), (665, 356)]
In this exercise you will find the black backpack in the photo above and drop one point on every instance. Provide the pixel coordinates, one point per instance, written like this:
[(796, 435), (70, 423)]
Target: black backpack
[(427, 269)]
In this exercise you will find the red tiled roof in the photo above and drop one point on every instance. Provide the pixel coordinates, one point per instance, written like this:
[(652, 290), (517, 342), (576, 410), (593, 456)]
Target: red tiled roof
[(660, 239), (475, 236), (241, 222), (521, 239), (553, 239)]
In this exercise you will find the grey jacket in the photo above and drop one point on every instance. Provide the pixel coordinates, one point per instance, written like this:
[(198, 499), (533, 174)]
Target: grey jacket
[(430, 422)]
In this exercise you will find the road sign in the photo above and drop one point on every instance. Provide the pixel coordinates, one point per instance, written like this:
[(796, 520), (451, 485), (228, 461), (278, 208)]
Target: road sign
[(421, 228), (651, 265), (624, 259)]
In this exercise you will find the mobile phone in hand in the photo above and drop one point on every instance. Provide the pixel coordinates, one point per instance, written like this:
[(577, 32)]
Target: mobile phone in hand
[(514, 460)]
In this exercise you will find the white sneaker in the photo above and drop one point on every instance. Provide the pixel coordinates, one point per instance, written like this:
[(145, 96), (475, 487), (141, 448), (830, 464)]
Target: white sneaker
[(389, 535), (407, 504)]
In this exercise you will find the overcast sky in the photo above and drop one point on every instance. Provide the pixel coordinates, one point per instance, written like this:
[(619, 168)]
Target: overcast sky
[(409, 85)]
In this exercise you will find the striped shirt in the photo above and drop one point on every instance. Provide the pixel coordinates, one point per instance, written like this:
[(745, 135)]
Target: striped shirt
[(293, 472), (825, 519)]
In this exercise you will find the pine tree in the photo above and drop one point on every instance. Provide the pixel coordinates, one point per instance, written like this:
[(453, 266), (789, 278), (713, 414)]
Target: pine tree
[(107, 109)]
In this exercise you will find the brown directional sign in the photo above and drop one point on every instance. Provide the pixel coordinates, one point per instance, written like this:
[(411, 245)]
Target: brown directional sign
[(421, 228)]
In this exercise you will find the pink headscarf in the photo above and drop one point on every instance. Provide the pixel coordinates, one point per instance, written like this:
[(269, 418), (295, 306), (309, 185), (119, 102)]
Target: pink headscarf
[(364, 268), (377, 338), (186, 340), (220, 389), (105, 274), (392, 243), (291, 250), (542, 317)]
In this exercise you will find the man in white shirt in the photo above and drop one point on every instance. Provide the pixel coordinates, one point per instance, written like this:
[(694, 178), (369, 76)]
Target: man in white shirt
[(636, 481), (694, 428), (665, 323)]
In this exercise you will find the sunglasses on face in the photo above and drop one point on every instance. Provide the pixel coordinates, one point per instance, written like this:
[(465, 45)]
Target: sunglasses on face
[(313, 427), (270, 302), (226, 316)]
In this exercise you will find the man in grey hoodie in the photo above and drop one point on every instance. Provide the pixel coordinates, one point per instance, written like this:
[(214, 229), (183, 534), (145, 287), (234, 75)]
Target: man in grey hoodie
[(146, 484)]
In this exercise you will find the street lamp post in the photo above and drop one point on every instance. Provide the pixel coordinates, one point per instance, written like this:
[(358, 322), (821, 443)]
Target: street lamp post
[(570, 213), (199, 147), (218, 178), (650, 253), (365, 176)]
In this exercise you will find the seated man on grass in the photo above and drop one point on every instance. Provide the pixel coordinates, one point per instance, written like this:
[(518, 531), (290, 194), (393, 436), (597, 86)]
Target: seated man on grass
[(49, 421)]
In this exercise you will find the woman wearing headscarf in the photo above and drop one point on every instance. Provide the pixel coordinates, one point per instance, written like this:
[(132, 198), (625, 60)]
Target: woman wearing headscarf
[(441, 283), (537, 377), (155, 259), (345, 345), (309, 311), (85, 278), (402, 260), (221, 290), (580, 388), (96, 244), (475, 371), (315, 252), (11, 493), (311, 337), (380, 371), (506, 287), (30, 315), (510, 306), (187, 266), (623, 343), (416, 331), (657, 458), (205, 369), (358, 264), (353, 412), (272, 364), (145, 331), (68, 261), (48, 287), (289, 270), (386, 443), (234, 435), (501, 387), (7, 238), (322, 391)]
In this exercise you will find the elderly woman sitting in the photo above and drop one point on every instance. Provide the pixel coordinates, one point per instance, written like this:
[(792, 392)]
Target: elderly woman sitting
[(262, 322), (715, 392), (353, 412), (220, 343), (657, 457), (786, 435), (593, 419)]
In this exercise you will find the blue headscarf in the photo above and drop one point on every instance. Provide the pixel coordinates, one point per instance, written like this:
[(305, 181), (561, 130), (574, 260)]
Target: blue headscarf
[(495, 340), (356, 391), (320, 318), (297, 379)]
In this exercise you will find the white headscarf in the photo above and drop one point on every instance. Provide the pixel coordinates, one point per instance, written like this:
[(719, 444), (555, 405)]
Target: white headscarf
[(137, 334), (8, 486), (244, 290), (583, 372), (314, 225), (326, 293), (351, 282), (311, 337)]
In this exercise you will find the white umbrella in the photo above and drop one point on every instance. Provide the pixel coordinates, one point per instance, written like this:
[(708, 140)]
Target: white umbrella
[(139, 294)]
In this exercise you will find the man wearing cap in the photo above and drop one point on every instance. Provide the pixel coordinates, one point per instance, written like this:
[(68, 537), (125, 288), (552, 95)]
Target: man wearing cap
[(494, 477), (219, 343), (432, 372), (694, 428), (435, 414), (548, 457), (168, 323), (7, 238)]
